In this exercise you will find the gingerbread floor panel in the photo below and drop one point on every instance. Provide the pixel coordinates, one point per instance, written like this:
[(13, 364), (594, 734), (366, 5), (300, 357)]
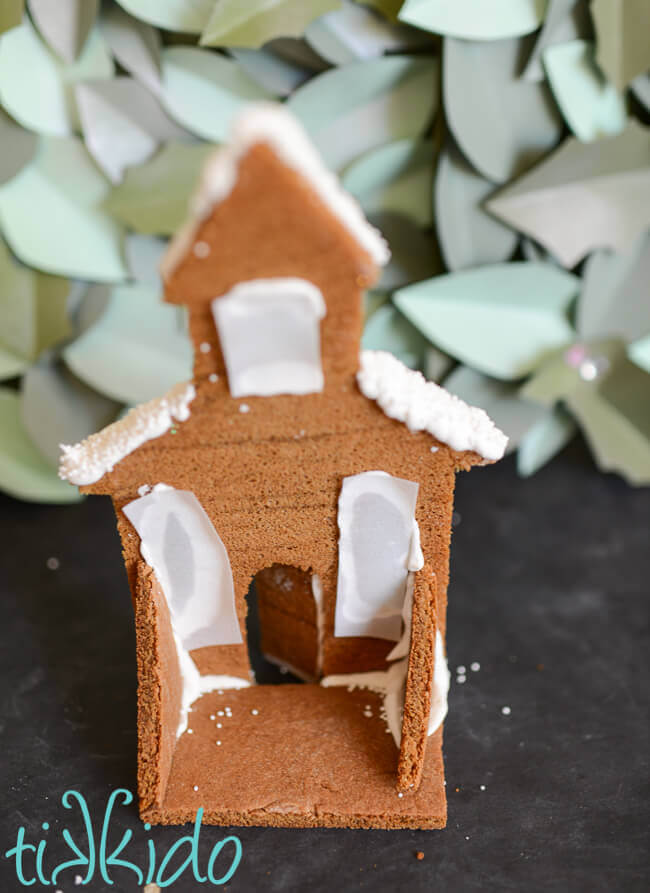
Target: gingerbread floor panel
[(297, 755)]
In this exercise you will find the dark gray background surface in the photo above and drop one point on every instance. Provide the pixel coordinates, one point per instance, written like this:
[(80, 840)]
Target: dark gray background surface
[(549, 592)]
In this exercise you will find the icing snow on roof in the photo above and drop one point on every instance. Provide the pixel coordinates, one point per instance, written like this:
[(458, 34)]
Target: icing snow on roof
[(88, 461), (274, 125), (422, 405)]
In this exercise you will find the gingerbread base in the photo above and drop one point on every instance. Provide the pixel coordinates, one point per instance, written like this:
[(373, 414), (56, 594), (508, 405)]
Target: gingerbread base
[(309, 757)]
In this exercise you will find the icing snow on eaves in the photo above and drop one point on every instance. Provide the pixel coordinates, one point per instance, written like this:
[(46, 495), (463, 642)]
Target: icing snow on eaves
[(423, 405), (88, 461), (274, 125)]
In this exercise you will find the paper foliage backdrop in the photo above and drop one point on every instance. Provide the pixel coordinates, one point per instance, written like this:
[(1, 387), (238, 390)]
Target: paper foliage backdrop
[(503, 148)]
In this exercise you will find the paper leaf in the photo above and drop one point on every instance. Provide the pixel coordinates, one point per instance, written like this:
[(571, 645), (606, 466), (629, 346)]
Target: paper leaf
[(350, 110), (474, 19), (639, 353), (65, 25), (622, 29), (237, 24), (135, 45), (203, 90), (11, 14), (640, 86), (591, 105), (532, 251), (36, 88), (502, 123), (51, 219), (271, 71), (395, 178), (552, 431), (436, 363), (18, 147), (153, 198), (583, 196), (468, 236), (388, 8), (173, 15), (388, 330), (298, 52), (499, 399), (123, 123), (57, 408), (414, 254), (143, 257), (500, 319), (24, 473), (355, 32), (564, 20), (154, 350)]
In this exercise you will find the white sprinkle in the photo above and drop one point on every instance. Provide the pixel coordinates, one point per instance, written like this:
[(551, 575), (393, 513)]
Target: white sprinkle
[(400, 794), (196, 787), (212, 716), (218, 743), (255, 712), (78, 880), (219, 691), (190, 731), (467, 838), (461, 670), (475, 667), (434, 449), (204, 347), (213, 377), (244, 407), (219, 725), (201, 249), (52, 564), (219, 712), (482, 787), (461, 679), (506, 711)]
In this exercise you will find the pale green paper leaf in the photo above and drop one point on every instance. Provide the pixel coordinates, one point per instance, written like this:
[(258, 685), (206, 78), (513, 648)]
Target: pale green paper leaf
[(37, 88), (388, 330), (475, 19), (57, 408), (135, 45), (11, 14), (143, 257), (298, 52), (500, 319), (250, 24), (502, 123), (591, 105), (565, 20), (355, 32), (372, 301), (639, 353), (553, 430), (350, 110), (499, 399), (18, 147), (89, 302), (560, 203), (65, 24), (153, 198), (414, 254), (468, 236), (187, 16), (24, 474), (123, 123), (396, 177), (271, 71), (51, 218), (615, 298), (203, 90), (623, 38), (154, 349)]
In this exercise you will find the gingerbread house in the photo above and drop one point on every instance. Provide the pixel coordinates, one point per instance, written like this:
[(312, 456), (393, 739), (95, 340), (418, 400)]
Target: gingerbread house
[(324, 474)]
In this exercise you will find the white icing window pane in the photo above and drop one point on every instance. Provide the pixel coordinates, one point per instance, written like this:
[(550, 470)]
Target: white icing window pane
[(191, 563), (270, 336), (376, 515)]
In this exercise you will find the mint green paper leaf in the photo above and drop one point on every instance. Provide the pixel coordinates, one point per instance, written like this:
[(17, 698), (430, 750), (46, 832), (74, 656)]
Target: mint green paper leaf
[(24, 473), (584, 196), (565, 20), (271, 71), (514, 416), (123, 123), (468, 236), (436, 363), (388, 330), (18, 147), (154, 349), (355, 32), (372, 301), (639, 353), (552, 431), (203, 90), (395, 178), (475, 19), (250, 24), (143, 257), (590, 104), (187, 16), (153, 197), (298, 52), (135, 45), (500, 319), (65, 25), (414, 254), (57, 408), (11, 14), (350, 110), (502, 123), (622, 30), (68, 235), (615, 294), (36, 88)]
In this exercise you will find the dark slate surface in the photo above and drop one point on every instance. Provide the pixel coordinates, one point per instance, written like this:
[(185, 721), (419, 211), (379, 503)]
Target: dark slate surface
[(549, 593)]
